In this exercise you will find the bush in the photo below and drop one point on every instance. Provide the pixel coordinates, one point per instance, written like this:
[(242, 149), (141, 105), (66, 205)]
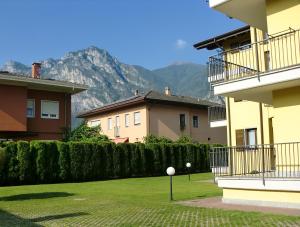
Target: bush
[(184, 139), (84, 133), (156, 139), (49, 162), (64, 161), (26, 162)]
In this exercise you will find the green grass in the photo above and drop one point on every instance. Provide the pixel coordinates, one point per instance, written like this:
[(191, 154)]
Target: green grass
[(128, 202)]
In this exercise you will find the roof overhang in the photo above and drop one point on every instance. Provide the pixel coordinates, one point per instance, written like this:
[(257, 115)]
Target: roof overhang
[(42, 84), (252, 12), (217, 41), (112, 107)]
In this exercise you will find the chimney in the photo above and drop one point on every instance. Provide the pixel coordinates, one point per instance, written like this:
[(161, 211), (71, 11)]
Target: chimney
[(167, 91), (36, 70), (136, 93)]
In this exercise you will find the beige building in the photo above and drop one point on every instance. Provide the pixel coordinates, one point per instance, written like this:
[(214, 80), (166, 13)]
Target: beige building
[(132, 119)]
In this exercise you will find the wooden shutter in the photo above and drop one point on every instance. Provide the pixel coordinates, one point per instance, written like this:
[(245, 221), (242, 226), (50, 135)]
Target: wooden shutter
[(239, 137)]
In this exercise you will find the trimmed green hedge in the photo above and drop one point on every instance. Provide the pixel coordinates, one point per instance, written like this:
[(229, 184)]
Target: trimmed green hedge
[(50, 162)]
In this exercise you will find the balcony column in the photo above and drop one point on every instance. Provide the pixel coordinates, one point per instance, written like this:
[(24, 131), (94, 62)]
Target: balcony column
[(256, 53), (262, 140)]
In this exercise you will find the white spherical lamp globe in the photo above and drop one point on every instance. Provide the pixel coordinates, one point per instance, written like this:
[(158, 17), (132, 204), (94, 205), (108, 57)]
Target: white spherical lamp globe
[(188, 165), (171, 171)]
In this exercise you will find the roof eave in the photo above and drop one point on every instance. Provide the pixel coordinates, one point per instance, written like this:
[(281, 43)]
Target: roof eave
[(212, 43)]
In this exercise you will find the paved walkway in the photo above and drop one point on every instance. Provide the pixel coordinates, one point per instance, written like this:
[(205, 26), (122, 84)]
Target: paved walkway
[(216, 202)]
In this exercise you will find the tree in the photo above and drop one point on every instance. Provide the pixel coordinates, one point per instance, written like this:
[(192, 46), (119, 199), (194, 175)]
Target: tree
[(88, 134)]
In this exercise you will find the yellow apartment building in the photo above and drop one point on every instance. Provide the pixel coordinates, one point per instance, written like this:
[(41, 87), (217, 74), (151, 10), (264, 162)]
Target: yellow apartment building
[(257, 69), (160, 114)]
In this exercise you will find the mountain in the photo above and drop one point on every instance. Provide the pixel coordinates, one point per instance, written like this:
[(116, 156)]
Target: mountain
[(110, 80)]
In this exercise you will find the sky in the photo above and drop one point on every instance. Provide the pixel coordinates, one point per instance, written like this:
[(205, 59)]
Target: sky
[(150, 33)]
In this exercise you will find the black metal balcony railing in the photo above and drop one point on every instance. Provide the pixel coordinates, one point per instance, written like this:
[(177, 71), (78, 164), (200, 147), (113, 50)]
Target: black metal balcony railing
[(276, 52), (216, 113), (262, 161)]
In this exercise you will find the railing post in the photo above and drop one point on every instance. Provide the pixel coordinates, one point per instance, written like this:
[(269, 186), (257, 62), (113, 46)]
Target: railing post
[(263, 164), (230, 161)]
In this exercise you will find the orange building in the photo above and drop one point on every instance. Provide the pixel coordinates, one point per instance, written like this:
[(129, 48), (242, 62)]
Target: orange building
[(34, 108)]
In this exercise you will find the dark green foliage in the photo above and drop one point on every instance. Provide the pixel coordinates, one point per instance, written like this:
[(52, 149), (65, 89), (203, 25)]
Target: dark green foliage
[(84, 133), (64, 161), (156, 139), (26, 162), (184, 139), (49, 162), (77, 156)]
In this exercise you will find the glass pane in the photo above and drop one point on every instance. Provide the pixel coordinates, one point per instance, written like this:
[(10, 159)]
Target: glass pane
[(252, 137)]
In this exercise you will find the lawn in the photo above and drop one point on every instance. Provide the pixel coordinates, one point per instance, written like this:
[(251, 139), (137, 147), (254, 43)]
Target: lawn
[(128, 202)]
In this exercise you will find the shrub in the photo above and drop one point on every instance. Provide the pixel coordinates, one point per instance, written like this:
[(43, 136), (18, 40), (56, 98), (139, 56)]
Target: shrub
[(47, 161), (76, 160), (84, 133), (2, 160), (184, 139), (156, 139), (26, 162), (64, 161)]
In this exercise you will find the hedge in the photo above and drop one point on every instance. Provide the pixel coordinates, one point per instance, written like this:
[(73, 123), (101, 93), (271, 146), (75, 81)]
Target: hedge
[(50, 162)]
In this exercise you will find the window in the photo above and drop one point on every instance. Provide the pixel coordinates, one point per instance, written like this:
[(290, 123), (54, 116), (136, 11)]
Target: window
[(246, 137), (117, 121), (109, 124), (137, 118), (182, 121), (30, 108), (251, 137), (127, 120), (49, 109), (195, 121), (95, 123)]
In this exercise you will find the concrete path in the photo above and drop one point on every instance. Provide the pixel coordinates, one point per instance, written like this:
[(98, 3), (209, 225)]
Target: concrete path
[(216, 202)]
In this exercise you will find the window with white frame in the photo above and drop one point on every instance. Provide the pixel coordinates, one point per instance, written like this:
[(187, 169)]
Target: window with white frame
[(127, 120), (49, 109), (30, 108), (109, 124), (95, 123), (137, 118)]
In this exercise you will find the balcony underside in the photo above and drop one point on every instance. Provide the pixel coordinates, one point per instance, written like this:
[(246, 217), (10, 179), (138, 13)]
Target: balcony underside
[(259, 89), (251, 12)]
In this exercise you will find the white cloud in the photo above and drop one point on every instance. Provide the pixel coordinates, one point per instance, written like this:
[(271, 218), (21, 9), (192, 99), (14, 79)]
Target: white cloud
[(180, 44)]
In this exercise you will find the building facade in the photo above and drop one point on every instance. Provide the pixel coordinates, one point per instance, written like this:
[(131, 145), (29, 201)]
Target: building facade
[(34, 108), (167, 115), (258, 71)]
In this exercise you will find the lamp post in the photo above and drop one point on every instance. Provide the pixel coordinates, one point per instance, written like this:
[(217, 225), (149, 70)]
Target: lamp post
[(171, 173), (188, 166)]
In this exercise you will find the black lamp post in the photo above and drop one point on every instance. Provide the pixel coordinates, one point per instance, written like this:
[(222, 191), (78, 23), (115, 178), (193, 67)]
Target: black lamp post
[(188, 166), (171, 173)]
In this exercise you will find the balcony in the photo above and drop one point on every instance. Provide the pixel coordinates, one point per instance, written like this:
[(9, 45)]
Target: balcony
[(217, 116), (253, 71), (251, 12), (257, 162)]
